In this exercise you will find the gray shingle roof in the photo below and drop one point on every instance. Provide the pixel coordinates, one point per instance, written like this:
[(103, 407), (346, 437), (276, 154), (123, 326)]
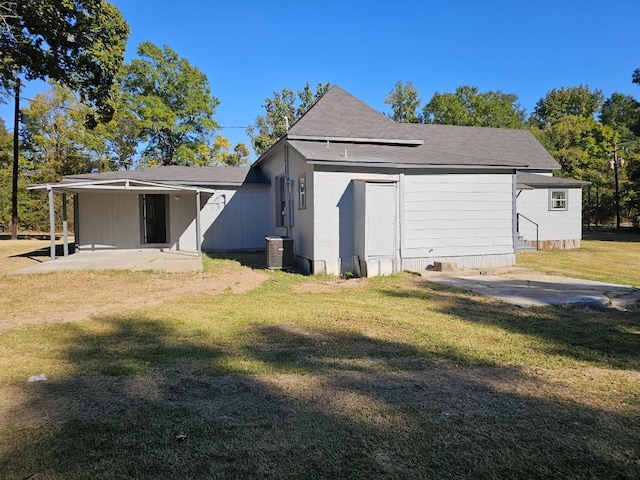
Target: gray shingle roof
[(443, 145), (203, 176), (371, 137), (526, 179), (396, 155), (340, 114)]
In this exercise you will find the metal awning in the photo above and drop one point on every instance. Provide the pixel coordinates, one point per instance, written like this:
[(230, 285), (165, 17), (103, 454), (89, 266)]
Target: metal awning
[(112, 186), (123, 184)]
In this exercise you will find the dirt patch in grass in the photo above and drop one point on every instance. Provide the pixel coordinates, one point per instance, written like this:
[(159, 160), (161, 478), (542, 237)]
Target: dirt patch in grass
[(77, 296), (81, 295), (328, 285)]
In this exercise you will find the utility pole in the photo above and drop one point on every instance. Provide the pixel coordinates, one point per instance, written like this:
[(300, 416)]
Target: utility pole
[(614, 165), (16, 153)]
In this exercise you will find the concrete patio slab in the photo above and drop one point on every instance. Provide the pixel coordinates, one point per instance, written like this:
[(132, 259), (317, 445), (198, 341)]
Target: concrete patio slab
[(141, 259), (538, 290)]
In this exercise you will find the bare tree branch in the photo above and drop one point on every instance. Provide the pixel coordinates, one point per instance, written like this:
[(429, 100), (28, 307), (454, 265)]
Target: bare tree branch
[(7, 11)]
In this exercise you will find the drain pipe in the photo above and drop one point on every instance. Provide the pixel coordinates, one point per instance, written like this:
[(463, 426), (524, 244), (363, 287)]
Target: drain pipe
[(287, 192), (287, 183)]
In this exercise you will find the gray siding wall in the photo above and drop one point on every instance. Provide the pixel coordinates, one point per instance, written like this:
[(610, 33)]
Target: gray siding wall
[(303, 219), (109, 220), (235, 219)]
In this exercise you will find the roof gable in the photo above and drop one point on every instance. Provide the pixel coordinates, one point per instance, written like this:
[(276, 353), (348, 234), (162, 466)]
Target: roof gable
[(340, 115)]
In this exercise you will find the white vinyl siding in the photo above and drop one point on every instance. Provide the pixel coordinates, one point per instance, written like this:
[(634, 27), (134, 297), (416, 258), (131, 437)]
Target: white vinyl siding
[(231, 219), (333, 235), (553, 224), (450, 215)]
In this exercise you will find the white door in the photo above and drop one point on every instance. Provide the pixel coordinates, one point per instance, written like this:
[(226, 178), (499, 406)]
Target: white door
[(381, 220)]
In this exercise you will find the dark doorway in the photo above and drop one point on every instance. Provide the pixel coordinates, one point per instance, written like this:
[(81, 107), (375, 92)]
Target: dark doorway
[(155, 218)]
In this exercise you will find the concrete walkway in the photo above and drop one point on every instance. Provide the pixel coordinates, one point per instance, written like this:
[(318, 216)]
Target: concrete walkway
[(527, 289), (140, 259)]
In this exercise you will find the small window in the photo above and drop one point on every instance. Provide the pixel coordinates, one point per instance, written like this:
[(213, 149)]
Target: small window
[(558, 200), (302, 191), (281, 201)]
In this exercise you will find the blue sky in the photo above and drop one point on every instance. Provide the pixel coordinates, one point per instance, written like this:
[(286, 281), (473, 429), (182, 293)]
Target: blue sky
[(249, 49)]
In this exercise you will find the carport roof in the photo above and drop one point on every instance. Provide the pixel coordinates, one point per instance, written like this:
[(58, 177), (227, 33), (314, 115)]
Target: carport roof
[(201, 176), (119, 185)]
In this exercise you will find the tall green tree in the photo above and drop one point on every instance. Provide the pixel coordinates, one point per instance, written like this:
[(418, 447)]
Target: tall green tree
[(6, 147), (622, 113), (32, 209), (285, 107), (78, 43), (584, 147), (404, 102), (172, 102), (633, 166), (581, 145), (578, 101), (218, 151), (468, 106), (56, 141)]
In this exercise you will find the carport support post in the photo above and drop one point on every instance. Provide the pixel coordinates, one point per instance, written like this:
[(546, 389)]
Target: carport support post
[(198, 243), (52, 223), (65, 236)]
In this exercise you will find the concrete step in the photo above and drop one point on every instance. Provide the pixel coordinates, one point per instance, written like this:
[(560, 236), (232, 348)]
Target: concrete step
[(523, 245), (471, 272)]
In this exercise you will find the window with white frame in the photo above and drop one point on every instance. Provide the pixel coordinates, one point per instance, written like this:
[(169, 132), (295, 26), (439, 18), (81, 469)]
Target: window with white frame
[(302, 191), (558, 200)]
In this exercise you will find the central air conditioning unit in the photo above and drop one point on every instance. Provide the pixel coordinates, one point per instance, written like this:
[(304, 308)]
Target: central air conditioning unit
[(279, 253)]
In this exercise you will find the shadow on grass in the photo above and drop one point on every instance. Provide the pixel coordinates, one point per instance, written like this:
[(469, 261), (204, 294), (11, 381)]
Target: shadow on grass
[(335, 405), (626, 234), (254, 260), (602, 336)]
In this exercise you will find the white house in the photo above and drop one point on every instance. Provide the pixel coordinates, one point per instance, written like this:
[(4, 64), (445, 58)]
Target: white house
[(354, 190), (547, 210), (357, 191)]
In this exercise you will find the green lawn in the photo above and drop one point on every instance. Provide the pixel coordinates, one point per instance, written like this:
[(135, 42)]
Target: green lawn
[(312, 377), (604, 256)]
